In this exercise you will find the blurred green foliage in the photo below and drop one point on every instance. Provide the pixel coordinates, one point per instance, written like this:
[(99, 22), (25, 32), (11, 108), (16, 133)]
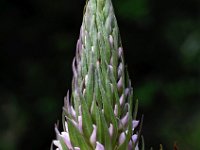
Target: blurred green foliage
[(162, 49)]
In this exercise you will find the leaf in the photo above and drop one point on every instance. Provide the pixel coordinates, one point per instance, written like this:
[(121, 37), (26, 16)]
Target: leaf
[(86, 118), (76, 137), (140, 128), (143, 144), (51, 148), (90, 86), (97, 91), (107, 139), (104, 41), (129, 134), (115, 89), (107, 106), (100, 132), (135, 110)]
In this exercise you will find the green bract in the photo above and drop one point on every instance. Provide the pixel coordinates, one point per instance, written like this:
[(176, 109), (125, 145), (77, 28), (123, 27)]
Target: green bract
[(99, 113)]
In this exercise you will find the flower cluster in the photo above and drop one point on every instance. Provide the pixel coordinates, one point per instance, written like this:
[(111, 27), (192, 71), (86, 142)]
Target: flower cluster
[(99, 113)]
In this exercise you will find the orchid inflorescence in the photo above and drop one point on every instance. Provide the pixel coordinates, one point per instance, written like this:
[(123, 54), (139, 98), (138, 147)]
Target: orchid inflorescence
[(99, 114)]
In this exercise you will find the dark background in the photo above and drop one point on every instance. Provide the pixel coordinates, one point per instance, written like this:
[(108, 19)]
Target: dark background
[(161, 40)]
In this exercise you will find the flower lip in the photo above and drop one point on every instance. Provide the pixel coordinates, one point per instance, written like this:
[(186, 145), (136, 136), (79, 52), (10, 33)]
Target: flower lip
[(99, 146), (122, 138), (134, 124)]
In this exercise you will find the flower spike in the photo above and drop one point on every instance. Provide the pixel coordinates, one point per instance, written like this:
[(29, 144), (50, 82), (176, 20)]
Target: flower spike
[(98, 114)]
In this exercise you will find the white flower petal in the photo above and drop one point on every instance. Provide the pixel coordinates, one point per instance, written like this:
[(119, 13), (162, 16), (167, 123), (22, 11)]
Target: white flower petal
[(134, 137), (134, 124), (130, 145), (80, 111), (111, 40), (122, 138), (127, 91), (73, 112), (116, 110), (86, 80), (76, 125), (84, 90), (66, 138), (120, 70), (120, 83), (66, 126), (80, 124), (121, 100), (120, 51), (93, 135), (124, 121), (111, 129), (137, 148), (99, 146), (57, 143)]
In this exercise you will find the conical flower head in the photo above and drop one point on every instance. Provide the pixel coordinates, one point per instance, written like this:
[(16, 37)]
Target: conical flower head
[(98, 114)]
